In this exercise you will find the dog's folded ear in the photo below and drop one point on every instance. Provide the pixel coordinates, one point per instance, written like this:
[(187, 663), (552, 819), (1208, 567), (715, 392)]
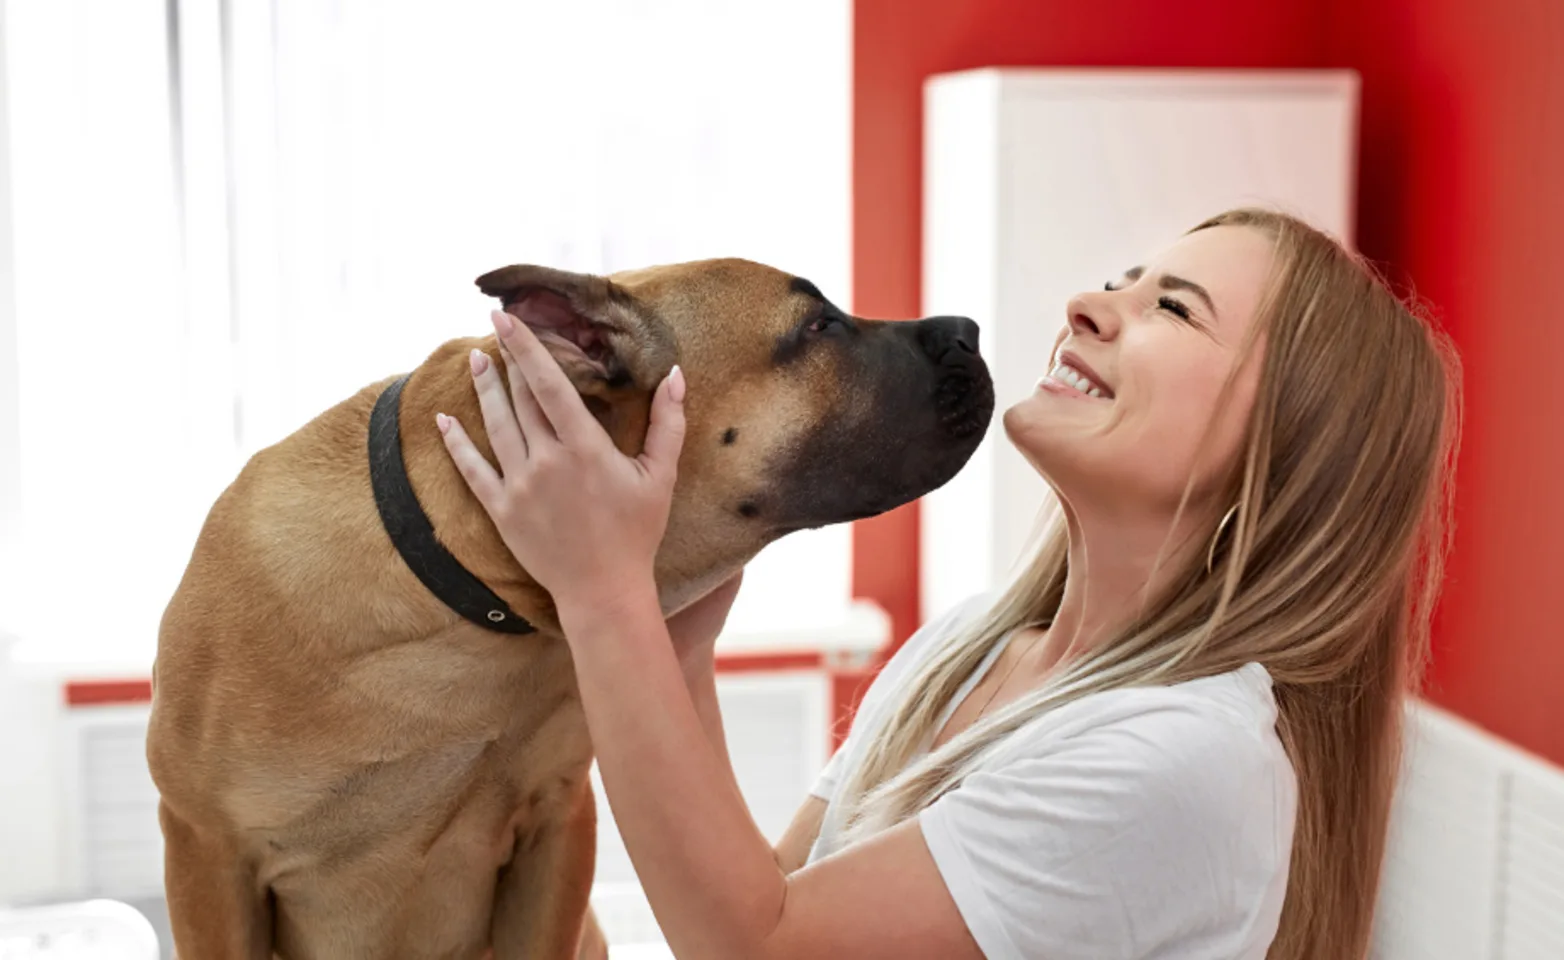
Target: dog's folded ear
[(598, 333)]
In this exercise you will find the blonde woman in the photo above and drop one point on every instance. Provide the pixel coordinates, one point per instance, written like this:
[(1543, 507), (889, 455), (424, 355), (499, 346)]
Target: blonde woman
[(1174, 735)]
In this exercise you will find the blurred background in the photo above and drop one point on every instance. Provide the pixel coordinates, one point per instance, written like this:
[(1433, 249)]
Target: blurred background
[(220, 217)]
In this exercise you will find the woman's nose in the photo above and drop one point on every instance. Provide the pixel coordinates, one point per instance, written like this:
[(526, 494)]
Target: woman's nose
[(1088, 316)]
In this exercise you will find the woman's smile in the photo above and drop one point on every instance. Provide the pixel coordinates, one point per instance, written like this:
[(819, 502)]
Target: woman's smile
[(1071, 377)]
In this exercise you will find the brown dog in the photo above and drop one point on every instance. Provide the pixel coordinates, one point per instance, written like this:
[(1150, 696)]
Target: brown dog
[(348, 768)]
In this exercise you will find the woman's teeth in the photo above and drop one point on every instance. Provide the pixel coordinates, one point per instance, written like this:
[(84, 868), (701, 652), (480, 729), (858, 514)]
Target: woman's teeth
[(1068, 375)]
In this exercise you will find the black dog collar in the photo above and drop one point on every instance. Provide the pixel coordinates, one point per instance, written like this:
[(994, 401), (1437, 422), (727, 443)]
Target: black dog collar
[(413, 535)]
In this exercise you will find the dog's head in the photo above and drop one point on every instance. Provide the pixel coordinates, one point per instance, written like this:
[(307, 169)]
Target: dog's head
[(798, 414)]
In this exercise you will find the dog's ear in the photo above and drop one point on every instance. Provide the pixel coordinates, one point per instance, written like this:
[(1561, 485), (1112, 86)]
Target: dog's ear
[(600, 335)]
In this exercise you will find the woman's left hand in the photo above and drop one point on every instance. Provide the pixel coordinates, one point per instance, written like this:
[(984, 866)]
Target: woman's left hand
[(583, 519)]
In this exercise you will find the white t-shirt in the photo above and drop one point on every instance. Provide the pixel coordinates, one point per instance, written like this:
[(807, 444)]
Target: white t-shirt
[(1146, 823)]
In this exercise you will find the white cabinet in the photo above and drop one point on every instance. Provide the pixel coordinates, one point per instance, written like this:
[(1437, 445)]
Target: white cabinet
[(1041, 183)]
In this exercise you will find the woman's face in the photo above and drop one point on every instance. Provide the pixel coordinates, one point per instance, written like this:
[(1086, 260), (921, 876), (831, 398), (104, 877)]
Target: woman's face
[(1130, 405)]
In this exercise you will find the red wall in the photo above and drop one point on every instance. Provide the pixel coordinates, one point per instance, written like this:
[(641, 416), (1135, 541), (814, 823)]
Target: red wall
[(1462, 195)]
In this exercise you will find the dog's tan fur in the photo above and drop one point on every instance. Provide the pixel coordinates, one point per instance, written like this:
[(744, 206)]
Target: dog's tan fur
[(348, 769)]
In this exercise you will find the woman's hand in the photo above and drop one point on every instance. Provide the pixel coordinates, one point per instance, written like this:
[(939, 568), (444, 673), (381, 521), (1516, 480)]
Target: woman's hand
[(583, 519)]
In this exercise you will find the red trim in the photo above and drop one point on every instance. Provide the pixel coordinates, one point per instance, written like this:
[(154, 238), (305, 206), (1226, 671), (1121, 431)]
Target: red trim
[(885, 567), (762, 662), (99, 693), (847, 684)]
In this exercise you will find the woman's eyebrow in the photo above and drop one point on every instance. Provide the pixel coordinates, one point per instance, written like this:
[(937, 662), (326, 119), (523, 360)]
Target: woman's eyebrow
[(1170, 282)]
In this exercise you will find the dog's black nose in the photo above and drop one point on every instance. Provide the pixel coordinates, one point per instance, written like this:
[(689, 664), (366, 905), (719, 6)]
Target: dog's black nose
[(966, 334), (943, 336)]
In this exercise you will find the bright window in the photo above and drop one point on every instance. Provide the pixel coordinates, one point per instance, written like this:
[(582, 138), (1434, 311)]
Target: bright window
[(223, 229)]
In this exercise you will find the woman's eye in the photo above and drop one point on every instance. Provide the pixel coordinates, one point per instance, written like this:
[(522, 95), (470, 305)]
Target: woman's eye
[(1109, 287), (1174, 307)]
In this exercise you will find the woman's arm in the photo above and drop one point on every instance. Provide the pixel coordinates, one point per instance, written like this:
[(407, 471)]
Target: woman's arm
[(793, 849), (712, 879), (694, 634), (700, 679)]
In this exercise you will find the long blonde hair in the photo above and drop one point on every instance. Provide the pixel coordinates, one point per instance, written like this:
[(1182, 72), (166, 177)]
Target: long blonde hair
[(1327, 578)]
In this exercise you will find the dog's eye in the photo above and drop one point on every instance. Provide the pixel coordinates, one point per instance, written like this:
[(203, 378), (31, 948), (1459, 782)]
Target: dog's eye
[(824, 322)]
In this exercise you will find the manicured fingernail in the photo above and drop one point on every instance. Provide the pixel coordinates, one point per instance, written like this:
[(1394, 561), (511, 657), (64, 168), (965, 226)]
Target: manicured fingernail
[(502, 322), (443, 422), (480, 361), (676, 384)]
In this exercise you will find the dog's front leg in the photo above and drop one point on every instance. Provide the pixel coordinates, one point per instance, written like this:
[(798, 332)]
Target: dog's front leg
[(541, 903), (215, 906)]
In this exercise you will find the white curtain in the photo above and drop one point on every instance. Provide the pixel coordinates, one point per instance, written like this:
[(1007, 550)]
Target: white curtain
[(114, 451), (235, 214)]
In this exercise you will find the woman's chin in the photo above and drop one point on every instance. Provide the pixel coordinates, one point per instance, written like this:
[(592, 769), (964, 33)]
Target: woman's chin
[(1028, 431), (1053, 443), (1032, 421)]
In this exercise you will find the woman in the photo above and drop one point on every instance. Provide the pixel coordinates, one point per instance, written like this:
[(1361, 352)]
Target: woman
[(1175, 734)]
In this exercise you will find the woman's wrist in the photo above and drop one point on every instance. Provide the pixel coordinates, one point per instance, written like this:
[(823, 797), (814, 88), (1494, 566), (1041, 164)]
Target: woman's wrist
[(596, 608), (615, 605)]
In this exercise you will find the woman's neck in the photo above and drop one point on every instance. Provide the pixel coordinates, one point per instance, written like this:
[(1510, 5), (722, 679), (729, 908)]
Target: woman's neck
[(1115, 564)]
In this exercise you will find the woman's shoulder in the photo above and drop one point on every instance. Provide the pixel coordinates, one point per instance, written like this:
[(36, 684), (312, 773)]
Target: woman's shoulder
[(1222, 721), (1212, 717), (1201, 758), (1084, 826), (1241, 697)]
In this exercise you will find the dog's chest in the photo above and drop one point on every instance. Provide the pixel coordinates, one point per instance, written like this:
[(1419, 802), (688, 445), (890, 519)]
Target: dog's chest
[(482, 759)]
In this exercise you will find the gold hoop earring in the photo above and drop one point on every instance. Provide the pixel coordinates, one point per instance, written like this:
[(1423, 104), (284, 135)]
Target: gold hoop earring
[(1217, 536)]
